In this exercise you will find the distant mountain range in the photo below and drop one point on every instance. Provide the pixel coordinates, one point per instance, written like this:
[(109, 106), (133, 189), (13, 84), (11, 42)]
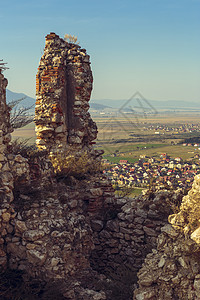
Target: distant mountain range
[(98, 106), (114, 105), (26, 102), (148, 104)]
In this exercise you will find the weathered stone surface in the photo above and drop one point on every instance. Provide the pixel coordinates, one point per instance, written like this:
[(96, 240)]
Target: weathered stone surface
[(33, 235), (197, 286), (6, 179), (149, 231), (169, 230), (141, 213), (97, 225), (6, 217), (196, 235), (35, 257), (2, 253), (112, 226), (73, 203), (175, 266), (96, 192), (20, 226), (16, 250)]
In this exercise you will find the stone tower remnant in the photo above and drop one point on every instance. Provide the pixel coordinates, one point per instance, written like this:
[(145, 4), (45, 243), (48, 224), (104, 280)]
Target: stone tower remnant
[(63, 89)]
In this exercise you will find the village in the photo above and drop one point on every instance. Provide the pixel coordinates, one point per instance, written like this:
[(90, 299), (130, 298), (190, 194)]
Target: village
[(175, 129), (161, 172)]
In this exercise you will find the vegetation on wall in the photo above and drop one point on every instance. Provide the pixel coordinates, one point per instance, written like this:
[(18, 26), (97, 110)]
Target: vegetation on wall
[(66, 163), (71, 39)]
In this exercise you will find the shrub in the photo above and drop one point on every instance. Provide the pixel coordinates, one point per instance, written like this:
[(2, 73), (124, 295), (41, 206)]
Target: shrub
[(21, 146), (73, 164), (71, 39)]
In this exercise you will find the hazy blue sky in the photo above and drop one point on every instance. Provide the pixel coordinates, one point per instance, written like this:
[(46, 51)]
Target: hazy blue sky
[(150, 46)]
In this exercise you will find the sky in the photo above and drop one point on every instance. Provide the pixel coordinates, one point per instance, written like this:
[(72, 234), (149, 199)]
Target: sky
[(149, 46)]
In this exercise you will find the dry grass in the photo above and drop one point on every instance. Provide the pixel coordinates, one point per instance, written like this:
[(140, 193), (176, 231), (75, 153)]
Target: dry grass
[(27, 132)]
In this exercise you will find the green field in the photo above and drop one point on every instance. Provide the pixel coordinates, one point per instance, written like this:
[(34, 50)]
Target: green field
[(129, 149), (134, 192), (115, 160), (122, 141), (173, 151)]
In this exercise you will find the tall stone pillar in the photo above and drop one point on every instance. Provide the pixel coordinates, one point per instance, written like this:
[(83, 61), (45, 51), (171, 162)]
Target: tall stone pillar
[(63, 89)]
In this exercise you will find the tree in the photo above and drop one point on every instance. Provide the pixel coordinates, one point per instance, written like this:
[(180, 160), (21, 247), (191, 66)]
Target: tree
[(19, 116), (2, 65)]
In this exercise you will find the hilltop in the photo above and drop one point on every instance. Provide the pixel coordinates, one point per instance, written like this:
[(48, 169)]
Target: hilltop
[(64, 234)]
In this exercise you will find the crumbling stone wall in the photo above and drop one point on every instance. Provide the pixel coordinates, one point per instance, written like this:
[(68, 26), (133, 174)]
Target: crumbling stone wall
[(172, 270), (6, 178), (128, 231)]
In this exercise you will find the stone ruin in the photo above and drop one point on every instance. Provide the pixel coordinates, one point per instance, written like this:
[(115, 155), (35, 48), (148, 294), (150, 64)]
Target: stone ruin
[(63, 89), (72, 232), (172, 270), (6, 179)]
